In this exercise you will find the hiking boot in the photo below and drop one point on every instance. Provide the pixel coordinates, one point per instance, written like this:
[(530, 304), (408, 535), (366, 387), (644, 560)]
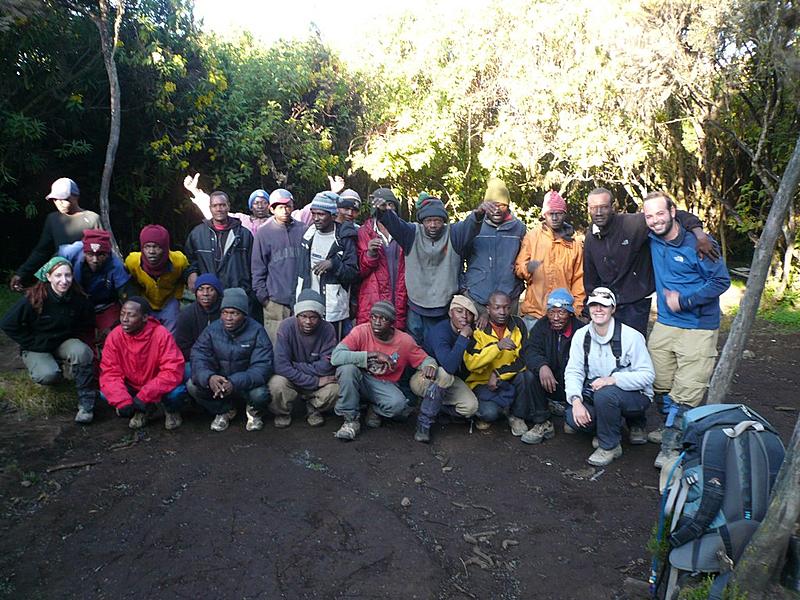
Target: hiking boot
[(172, 420), (84, 416), (518, 426), (556, 408), (254, 420), (315, 418), (539, 433), (595, 442), (670, 446), (569, 430), (348, 431), (654, 437), (423, 434), (602, 458), (138, 420), (220, 422), (282, 421), (637, 436), (373, 420), (665, 456), (482, 425)]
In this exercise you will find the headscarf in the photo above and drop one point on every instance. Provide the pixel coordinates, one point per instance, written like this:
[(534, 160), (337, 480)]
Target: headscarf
[(50, 266)]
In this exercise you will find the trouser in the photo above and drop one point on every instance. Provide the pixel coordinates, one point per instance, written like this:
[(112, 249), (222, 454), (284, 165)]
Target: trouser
[(532, 404), (342, 328), (284, 393), (168, 315), (635, 314), (454, 396), (417, 324), (44, 369), (274, 313), (609, 406), (387, 397), (258, 398), (493, 403), (683, 360), (172, 401)]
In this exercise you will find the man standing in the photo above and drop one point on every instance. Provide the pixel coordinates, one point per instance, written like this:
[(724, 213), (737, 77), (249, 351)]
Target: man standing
[(497, 373), (433, 252), (231, 363), (329, 262), (617, 256), (370, 361), (546, 356), (63, 227), (550, 258), (608, 379), (258, 203), (142, 367), (277, 250), (683, 343), (348, 206), (303, 363), (490, 256)]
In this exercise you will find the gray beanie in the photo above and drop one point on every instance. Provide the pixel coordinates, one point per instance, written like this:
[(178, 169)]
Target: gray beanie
[(309, 300), (384, 309), (235, 298), (431, 207)]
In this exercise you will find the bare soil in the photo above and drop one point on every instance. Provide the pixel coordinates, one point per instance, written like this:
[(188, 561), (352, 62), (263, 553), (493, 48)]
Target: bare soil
[(295, 513)]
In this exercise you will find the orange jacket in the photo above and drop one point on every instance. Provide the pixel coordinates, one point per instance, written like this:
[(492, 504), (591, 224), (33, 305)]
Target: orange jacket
[(562, 266)]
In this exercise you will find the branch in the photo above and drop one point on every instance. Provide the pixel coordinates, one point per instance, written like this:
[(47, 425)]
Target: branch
[(767, 177)]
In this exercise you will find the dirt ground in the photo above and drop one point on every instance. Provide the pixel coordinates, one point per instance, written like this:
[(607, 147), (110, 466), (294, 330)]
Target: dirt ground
[(295, 513)]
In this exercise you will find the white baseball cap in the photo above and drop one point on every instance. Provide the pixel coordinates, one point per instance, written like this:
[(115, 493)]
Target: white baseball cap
[(62, 189)]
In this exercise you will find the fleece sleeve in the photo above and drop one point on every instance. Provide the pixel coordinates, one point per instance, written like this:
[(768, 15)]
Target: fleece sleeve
[(112, 376), (400, 230)]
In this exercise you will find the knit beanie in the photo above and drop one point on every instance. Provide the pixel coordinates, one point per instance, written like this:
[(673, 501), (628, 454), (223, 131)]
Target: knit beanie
[(209, 279), (155, 234), (421, 198), (235, 298), (96, 240), (280, 196), (384, 195), (257, 194), (496, 191), (553, 202), (349, 199), (561, 298), (384, 309), (309, 300), (325, 201), (431, 207), (465, 303)]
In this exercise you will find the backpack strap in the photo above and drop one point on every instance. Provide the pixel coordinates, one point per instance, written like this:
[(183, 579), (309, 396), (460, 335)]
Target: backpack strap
[(713, 460), (587, 345), (616, 347)]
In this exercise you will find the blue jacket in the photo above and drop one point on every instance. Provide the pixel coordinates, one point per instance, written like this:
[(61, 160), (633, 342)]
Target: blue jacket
[(490, 260), (699, 282), (446, 346), (103, 287), (243, 356)]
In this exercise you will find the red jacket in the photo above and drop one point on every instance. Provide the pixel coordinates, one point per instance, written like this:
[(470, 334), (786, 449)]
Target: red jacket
[(149, 362), (376, 284)]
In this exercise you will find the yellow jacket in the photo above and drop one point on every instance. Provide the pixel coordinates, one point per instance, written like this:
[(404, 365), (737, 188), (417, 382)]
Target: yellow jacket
[(483, 356), (562, 267), (169, 285)]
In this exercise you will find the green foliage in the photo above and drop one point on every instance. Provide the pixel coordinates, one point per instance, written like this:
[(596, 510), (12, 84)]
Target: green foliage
[(33, 399), (701, 590)]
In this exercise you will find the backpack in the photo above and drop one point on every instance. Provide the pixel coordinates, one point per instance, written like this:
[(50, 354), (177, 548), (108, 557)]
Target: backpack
[(717, 492)]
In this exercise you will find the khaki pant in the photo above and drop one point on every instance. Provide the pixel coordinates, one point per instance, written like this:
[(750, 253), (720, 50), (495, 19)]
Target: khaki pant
[(43, 367), (274, 313), (284, 393), (683, 360), (458, 394)]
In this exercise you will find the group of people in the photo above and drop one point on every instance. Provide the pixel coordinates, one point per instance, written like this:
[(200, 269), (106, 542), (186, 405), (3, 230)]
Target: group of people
[(480, 319)]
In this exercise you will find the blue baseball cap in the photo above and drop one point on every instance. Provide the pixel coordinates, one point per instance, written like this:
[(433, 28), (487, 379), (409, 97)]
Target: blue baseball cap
[(561, 298)]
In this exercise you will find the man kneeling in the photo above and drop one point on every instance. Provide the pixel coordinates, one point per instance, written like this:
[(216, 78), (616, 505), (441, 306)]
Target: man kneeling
[(370, 361), (232, 362), (141, 367)]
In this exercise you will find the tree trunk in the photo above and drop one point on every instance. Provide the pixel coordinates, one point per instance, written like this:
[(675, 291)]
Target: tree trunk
[(740, 330), (790, 236), (764, 555)]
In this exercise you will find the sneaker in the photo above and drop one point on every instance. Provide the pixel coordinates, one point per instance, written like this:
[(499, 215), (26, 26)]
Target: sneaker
[(254, 420), (172, 420), (602, 458), (665, 456), (654, 437), (348, 431), (138, 420), (595, 442), (637, 436), (518, 426), (482, 425), (373, 420), (315, 418), (220, 422), (423, 434), (539, 433), (282, 421), (84, 416), (556, 408), (569, 430)]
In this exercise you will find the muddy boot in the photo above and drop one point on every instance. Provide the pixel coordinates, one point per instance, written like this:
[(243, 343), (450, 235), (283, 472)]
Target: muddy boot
[(86, 384), (671, 438), (423, 434)]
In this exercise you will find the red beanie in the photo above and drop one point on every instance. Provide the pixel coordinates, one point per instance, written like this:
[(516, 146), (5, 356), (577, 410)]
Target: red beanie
[(96, 240), (155, 234), (553, 202)]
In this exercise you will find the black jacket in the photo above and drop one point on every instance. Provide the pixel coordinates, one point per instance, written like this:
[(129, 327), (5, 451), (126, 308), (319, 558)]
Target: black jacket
[(62, 318), (546, 347), (229, 260), (192, 321)]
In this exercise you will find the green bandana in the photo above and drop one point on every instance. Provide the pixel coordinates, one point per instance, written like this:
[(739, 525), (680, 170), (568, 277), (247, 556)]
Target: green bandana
[(41, 274)]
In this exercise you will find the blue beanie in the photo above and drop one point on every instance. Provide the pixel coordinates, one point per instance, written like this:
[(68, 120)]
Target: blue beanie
[(561, 298), (431, 207), (326, 201), (209, 279), (259, 193)]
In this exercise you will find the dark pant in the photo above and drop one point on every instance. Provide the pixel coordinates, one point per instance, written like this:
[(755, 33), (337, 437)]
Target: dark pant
[(635, 314), (258, 398), (417, 324), (172, 401), (532, 404), (608, 408), (516, 392)]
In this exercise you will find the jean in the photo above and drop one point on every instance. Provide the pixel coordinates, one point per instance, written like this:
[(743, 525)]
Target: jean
[(354, 382), (172, 401), (417, 324), (493, 403), (608, 408), (168, 315), (635, 314), (531, 404), (258, 398)]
